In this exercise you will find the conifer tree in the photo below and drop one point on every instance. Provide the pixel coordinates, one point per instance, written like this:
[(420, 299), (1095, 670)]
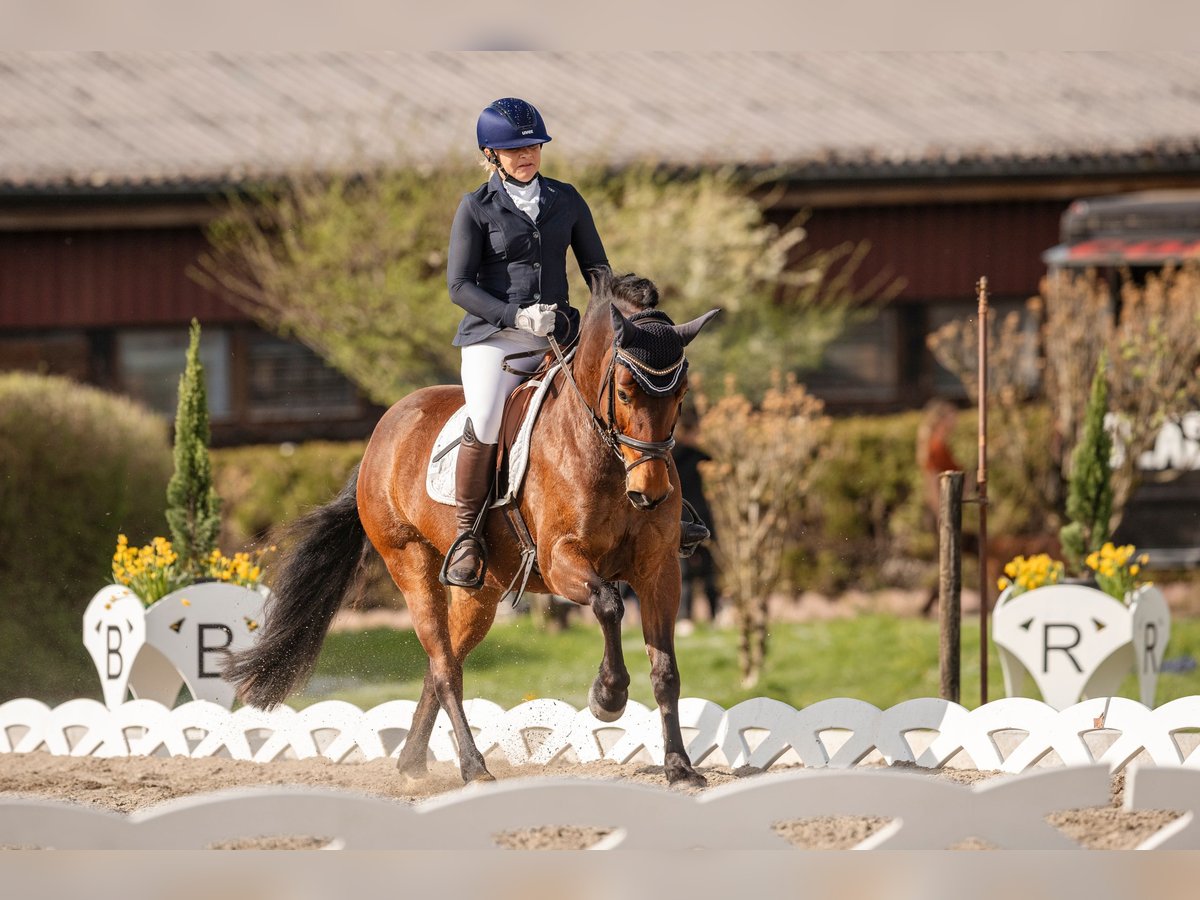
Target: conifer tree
[(193, 508), (1090, 495)]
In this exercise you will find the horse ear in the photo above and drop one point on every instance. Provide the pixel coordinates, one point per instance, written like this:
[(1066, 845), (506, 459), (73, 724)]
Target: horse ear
[(689, 330), (622, 327)]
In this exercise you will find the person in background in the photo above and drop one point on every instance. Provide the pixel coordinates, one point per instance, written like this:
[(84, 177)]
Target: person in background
[(700, 566), (934, 457)]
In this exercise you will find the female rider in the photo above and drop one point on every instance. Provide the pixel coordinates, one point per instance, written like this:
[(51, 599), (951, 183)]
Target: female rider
[(507, 267)]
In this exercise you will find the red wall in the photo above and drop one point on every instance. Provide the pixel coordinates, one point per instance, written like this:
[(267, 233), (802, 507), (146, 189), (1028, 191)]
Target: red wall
[(80, 279), (941, 250), (139, 277)]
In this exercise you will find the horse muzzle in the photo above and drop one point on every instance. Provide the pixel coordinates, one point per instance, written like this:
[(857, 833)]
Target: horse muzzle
[(644, 502)]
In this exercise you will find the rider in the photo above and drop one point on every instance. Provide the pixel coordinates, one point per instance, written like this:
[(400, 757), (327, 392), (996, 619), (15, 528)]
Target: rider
[(506, 267)]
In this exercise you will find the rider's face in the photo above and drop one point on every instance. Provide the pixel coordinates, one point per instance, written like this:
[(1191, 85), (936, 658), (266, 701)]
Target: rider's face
[(522, 163)]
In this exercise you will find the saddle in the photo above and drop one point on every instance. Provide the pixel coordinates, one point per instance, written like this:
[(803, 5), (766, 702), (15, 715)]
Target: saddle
[(521, 410)]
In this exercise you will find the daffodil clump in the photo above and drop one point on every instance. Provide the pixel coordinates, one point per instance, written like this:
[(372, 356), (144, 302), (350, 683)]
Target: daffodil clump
[(1117, 568), (241, 568), (153, 571), (1021, 574)]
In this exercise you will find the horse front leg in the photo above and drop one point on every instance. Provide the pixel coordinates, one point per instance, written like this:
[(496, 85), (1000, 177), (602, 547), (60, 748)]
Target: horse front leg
[(659, 596), (610, 689), (570, 575)]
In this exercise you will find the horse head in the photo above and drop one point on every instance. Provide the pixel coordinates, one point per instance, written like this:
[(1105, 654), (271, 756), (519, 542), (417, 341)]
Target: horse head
[(639, 372)]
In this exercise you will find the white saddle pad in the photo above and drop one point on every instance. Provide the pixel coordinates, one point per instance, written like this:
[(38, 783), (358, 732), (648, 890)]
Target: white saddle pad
[(439, 479)]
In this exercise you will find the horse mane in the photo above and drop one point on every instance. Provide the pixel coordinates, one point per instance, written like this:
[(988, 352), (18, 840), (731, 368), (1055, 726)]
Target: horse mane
[(630, 293)]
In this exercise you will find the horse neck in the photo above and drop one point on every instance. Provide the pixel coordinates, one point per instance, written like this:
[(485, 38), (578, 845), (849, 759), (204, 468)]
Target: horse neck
[(572, 421), (591, 359)]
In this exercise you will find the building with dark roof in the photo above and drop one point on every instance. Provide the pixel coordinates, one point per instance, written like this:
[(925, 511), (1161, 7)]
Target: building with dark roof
[(952, 166)]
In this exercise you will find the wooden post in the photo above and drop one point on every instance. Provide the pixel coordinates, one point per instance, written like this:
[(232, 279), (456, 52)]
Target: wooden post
[(950, 582), (981, 491)]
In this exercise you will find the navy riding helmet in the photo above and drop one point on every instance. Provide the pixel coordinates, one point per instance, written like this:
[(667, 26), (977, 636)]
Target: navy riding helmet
[(510, 123)]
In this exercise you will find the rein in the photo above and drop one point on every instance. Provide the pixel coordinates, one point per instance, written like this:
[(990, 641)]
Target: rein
[(613, 437)]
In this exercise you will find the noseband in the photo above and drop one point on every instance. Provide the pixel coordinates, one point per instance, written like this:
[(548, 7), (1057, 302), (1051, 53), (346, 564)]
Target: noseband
[(612, 436)]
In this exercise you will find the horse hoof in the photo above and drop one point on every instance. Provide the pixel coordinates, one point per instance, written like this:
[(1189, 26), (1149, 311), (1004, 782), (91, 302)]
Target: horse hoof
[(604, 715), (409, 780), (479, 777), (687, 779)]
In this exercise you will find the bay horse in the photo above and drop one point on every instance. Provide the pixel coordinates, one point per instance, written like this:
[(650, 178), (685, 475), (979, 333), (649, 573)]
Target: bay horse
[(601, 499)]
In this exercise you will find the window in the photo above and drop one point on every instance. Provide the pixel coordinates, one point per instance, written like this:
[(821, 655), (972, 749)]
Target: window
[(861, 364), (150, 362), (945, 383), (50, 353), (288, 381)]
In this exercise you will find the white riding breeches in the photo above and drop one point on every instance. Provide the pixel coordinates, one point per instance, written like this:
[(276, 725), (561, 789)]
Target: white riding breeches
[(485, 382)]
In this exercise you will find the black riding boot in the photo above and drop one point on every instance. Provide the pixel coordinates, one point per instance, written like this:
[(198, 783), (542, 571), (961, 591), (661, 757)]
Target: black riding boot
[(467, 561), (692, 531), (691, 536)]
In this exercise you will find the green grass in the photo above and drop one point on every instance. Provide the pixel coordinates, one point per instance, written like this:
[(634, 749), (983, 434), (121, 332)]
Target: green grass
[(881, 659)]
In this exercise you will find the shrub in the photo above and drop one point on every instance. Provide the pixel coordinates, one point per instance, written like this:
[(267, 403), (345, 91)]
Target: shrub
[(78, 466), (865, 527), (266, 486), (1090, 493), (193, 507), (761, 459), (865, 506)]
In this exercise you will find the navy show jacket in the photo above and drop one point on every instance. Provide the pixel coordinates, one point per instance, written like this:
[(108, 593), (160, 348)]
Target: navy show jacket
[(500, 260)]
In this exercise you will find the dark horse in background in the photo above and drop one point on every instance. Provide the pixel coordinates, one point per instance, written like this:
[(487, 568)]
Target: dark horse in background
[(601, 498)]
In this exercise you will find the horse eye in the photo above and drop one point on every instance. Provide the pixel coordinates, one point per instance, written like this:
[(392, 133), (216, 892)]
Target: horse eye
[(623, 396)]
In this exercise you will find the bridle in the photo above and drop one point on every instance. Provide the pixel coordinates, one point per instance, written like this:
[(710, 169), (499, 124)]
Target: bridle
[(612, 436)]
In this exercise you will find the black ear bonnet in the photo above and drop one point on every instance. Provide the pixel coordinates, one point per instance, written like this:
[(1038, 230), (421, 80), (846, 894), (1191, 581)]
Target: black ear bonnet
[(649, 346)]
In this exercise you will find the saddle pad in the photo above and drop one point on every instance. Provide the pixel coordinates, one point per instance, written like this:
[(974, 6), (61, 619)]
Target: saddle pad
[(439, 478)]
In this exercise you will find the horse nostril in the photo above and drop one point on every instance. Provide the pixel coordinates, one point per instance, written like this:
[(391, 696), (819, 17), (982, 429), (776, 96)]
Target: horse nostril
[(641, 501)]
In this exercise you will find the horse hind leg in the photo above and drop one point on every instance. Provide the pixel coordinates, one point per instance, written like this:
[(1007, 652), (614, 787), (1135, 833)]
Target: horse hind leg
[(448, 632), (610, 689)]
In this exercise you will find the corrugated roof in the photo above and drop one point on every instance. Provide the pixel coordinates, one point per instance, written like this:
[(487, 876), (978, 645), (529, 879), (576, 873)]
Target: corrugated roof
[(158, 120)]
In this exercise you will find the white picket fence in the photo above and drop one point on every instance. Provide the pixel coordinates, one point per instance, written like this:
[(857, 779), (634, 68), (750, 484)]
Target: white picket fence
[(1066, 759), (1009, 735), (925, 814)]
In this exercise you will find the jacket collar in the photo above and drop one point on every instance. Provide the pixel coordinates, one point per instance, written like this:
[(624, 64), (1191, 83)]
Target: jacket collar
[(549, 195)]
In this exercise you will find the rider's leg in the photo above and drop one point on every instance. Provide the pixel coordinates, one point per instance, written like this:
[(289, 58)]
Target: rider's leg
[(472, 488), (692, 531), (485, 385), (691, 536)]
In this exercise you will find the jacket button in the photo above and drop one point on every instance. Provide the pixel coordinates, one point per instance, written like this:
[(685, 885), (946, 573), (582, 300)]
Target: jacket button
[(537, 265), (537, 296)]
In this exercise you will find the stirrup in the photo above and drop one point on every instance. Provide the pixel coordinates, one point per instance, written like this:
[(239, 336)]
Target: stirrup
[(444, 576)]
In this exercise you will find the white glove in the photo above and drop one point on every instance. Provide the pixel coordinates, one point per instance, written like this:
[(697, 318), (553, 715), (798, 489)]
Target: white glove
[(537, 319)]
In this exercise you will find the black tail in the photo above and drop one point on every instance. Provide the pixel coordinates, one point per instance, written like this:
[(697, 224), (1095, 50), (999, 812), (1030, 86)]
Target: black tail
[(323, 551)]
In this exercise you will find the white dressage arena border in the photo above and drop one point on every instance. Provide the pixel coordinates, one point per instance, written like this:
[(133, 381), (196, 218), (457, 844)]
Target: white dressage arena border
[(925, 814), (1010, 735)]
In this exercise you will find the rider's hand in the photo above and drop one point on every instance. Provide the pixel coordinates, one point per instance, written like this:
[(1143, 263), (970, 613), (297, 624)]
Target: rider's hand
[(538, 319)]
